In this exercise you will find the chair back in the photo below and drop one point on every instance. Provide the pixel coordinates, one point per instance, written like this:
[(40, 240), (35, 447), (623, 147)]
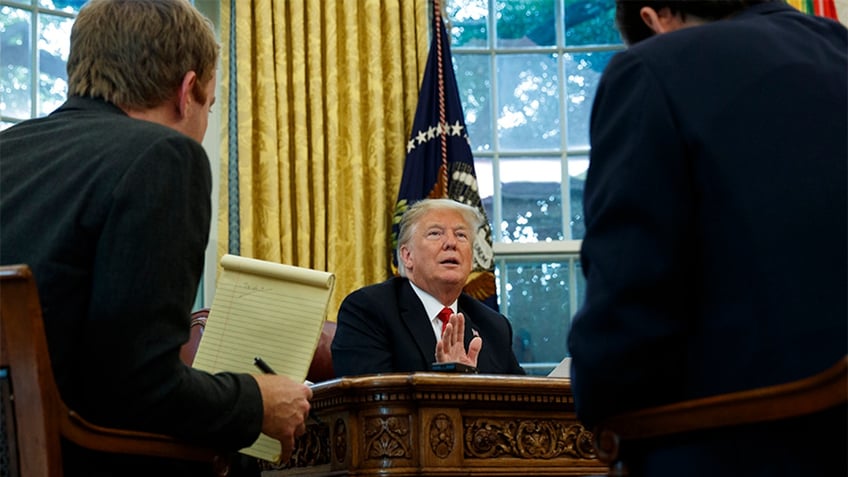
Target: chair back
[(30, 399), (321, 366)]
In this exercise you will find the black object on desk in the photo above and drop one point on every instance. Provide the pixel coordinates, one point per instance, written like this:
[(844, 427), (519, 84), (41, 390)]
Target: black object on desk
[(454, 367)]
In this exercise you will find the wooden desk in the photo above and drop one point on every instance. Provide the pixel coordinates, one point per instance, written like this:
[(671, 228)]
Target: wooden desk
[(443, 424)]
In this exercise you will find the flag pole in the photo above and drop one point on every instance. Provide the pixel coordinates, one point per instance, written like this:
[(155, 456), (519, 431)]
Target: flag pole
[(439, 160), (442, 128)]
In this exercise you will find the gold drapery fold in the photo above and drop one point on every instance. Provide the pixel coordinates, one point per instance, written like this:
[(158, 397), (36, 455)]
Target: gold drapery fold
[(326, 93)]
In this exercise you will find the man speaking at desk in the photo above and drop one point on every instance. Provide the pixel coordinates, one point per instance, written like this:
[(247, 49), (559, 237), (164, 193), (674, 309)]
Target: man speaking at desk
[(395, 326)]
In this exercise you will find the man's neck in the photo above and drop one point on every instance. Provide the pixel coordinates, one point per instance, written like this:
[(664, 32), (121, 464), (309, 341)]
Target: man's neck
[(446, 298), (162, 114)]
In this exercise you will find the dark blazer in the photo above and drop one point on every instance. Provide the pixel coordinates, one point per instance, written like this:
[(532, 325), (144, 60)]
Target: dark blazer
[(715, 205), (113, 214), (384, 328)]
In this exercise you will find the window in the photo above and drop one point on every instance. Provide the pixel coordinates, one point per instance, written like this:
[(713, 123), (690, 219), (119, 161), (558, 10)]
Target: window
[(34, 41), (527, 72)]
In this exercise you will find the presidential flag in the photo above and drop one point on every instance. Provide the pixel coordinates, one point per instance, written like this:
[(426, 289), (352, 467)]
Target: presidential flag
[(822, 8), (439, 163)]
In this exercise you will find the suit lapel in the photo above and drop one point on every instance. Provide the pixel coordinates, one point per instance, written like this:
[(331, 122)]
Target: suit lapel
[(469, 309), (471, 329), (415, 319)]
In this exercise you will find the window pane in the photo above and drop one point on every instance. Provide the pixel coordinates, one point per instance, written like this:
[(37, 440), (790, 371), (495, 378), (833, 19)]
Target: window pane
[(468, 22), (68, 6), (582, 73), (590, 22), (528, 106), (15, 62), (531, 195), (53, 49), (541, 298), (526, 23), (473, 78), (577, 167), (486, 186)]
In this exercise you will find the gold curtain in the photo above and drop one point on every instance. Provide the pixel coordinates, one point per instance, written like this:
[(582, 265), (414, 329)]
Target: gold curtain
[(325, 94)]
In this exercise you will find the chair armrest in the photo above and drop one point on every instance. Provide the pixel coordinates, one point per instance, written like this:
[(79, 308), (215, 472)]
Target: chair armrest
[(196, 328), (797, 398), (122, 441)]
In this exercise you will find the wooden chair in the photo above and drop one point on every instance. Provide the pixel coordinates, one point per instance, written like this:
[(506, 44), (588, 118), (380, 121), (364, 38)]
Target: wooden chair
[(810, 395), (34, 408), (197, 326)]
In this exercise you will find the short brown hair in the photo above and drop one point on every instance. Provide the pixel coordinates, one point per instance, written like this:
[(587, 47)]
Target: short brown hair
[(135, 53)]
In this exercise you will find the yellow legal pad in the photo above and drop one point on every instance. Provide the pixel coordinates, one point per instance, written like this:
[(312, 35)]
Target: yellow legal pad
[(264, 309)]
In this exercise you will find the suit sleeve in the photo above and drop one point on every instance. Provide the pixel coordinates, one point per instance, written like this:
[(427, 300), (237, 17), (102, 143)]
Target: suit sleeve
[(497, 355), (628, 334), (361, 343), (148, 264), (513, 366), (500, 346)]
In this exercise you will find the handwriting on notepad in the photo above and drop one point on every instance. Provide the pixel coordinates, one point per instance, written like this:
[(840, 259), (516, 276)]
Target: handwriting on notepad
[(249, 288)]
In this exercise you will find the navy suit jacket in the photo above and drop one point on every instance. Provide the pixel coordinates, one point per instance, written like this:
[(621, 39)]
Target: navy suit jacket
[(384, 328), (715, 205)]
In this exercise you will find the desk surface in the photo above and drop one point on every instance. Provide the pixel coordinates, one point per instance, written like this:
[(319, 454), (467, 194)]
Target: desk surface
[(442, 424)]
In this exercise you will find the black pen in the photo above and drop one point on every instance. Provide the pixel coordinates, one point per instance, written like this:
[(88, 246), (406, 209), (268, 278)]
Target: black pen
[(263, 366)]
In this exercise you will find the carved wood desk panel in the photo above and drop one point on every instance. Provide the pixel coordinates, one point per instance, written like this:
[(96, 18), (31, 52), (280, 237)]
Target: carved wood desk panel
[(445, 425)]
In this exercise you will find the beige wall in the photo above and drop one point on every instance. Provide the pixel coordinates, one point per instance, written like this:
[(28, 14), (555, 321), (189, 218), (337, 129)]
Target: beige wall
[(212, 144), (842, 11)]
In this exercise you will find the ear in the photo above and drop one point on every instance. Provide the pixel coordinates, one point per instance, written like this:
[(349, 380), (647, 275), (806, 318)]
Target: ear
[(662, 21), (406, 256), (186, 95)]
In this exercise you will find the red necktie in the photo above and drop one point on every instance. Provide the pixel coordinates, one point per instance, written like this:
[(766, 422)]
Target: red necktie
[(444, 317)]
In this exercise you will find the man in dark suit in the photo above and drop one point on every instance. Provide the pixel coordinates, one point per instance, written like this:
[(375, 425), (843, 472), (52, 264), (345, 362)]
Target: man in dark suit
[(107, 199), (715, 247), (394, 326)]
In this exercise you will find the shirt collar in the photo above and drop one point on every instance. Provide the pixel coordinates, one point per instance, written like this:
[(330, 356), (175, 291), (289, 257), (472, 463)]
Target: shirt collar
[(431, 305)]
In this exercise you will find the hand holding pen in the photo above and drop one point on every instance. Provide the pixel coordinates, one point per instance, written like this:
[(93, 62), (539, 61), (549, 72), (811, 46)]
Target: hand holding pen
[(266, 369), (285, 407)]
